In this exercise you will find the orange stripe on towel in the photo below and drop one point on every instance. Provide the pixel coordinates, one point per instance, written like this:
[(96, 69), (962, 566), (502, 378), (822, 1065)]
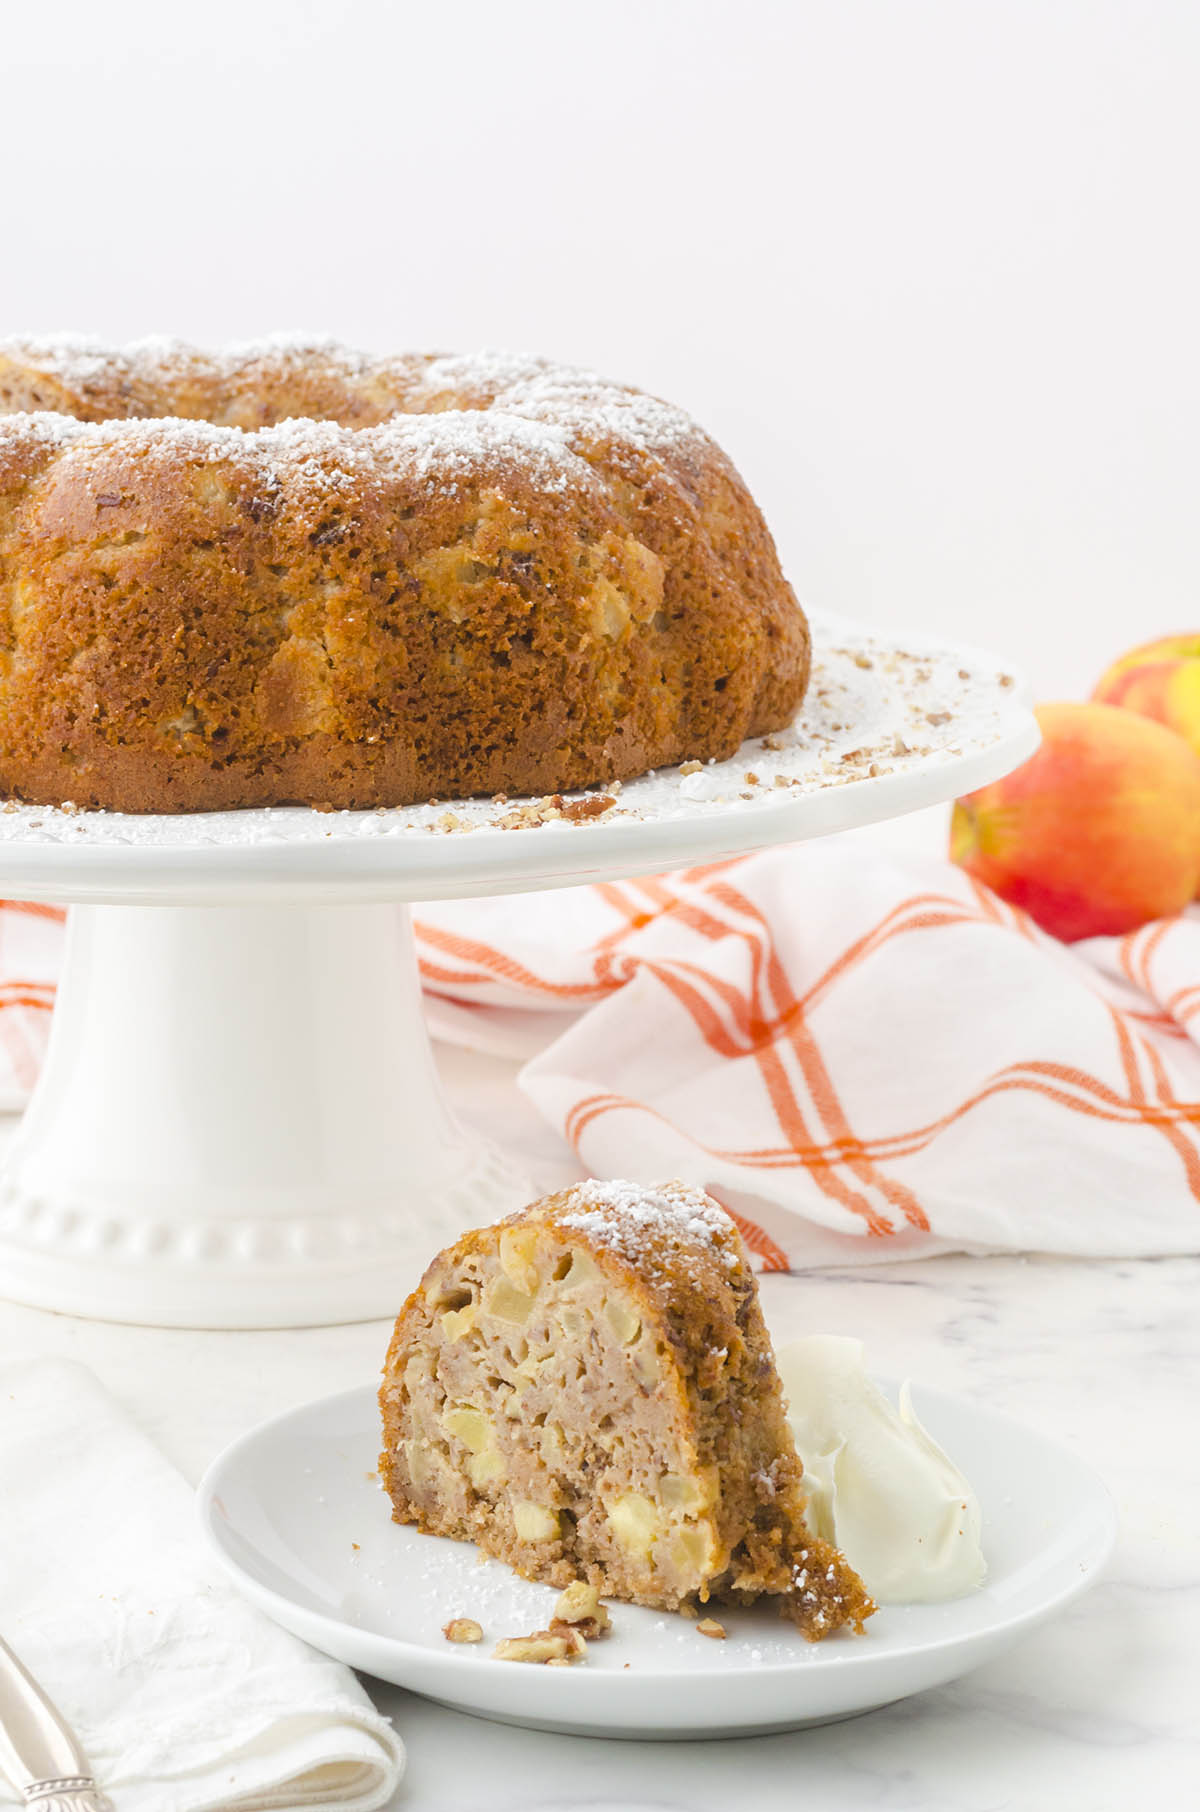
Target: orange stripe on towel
[(35, 910)]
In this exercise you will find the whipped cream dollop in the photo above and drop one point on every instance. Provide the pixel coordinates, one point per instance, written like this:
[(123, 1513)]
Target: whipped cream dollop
[(879, 1488)]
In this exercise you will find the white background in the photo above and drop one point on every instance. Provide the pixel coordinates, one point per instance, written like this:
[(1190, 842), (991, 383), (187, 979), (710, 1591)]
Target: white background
[(928, 269)]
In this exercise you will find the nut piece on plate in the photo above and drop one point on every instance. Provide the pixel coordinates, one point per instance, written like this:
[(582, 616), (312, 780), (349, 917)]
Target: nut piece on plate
[(462, 1629), (579, 1608), (587, 1391), (546, 1648), (708, 1626)]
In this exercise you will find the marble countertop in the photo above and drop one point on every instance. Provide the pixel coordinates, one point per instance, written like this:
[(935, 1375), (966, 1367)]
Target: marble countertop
[(1096, 1710)]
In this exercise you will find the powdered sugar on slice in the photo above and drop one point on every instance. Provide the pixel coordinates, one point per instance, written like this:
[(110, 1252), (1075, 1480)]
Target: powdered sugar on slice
[(631, 1219)]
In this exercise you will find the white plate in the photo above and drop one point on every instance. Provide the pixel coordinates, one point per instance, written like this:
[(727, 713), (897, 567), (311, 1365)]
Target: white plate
[(295, 1513)]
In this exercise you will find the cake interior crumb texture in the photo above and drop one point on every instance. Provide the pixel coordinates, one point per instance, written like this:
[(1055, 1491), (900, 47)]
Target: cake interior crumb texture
[(587, 1391), (289, 573)]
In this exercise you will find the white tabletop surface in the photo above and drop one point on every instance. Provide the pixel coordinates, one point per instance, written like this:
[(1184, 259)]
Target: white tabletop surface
[(1095, 1711)]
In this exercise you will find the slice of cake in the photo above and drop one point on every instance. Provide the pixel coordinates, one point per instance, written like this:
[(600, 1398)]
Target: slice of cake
[(588, 1391)]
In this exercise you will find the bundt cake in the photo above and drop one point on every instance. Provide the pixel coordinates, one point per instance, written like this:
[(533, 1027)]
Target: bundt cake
[(587, 1391), (292, 574)]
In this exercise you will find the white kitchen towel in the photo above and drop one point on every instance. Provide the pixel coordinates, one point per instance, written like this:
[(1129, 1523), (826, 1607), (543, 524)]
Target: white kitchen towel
[(31, 941), (861, 1057), (185, 1698)]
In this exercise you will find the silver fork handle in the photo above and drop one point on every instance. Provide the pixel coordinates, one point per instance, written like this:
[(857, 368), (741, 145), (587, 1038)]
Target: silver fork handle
[(38, 1748), (79, 1793)]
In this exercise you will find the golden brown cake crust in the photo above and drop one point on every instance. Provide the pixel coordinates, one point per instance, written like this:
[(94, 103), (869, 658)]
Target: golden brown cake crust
[(290, 574), (587, 1390)]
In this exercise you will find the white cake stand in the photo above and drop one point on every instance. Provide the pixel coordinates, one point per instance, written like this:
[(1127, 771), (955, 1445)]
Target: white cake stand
[(238, 1123)]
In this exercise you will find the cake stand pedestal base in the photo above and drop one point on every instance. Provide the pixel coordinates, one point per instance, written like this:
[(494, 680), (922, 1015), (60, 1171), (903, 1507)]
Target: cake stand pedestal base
[(238, 1123)]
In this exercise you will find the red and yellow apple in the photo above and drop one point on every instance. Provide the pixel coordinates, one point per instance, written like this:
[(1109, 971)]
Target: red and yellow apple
[(1097, 832), (1160, 680)]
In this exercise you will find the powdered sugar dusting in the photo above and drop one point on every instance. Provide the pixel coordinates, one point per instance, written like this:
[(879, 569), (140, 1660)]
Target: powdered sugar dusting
[(319, 461), (447, 448), (549, 411), (40, 428), (632, 1218), (576, 401), (81, 361), (72, 358)]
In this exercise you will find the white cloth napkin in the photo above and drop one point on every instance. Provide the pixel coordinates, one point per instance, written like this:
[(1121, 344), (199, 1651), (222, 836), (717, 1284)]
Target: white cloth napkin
[(184, 1697), (862, 1058)]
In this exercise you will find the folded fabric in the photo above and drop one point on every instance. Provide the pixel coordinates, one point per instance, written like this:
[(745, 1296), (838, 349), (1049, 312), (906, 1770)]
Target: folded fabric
[(31, 939), (862, 1057), (184, 1697)]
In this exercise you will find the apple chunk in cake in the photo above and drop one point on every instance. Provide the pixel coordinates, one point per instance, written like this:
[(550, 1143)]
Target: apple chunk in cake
[(588, 1391)]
